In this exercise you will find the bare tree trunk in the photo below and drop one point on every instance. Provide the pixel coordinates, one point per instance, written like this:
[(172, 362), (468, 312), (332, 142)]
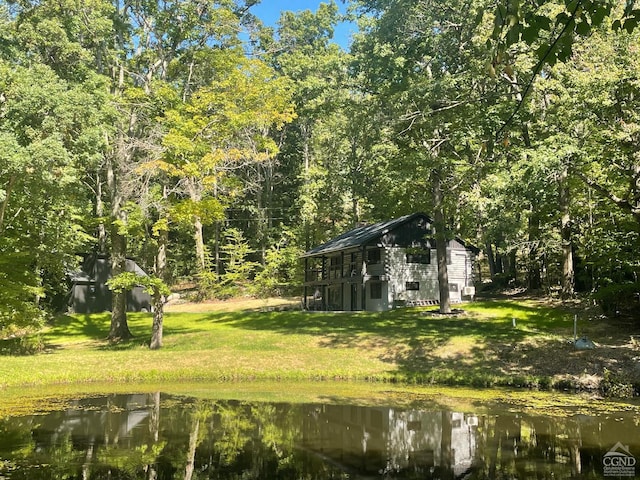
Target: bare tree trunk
[(306, 155), (492, 260), (161, 273), (534, 279), (198, 237), (5, 203), (158, 298), (191, 454), (158, 320), (119, 327), (154, 431), (355, 175), (565, 229), (102, 230), (441, 243)]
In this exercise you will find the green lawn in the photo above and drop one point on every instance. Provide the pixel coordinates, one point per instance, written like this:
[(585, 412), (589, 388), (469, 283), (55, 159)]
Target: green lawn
[(477, 347)]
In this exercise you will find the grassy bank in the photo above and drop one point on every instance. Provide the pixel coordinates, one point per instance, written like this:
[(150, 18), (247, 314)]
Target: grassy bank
[(478, 346)]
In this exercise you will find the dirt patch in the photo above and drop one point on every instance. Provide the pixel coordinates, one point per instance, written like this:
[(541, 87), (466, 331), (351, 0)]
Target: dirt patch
[(180, 305)]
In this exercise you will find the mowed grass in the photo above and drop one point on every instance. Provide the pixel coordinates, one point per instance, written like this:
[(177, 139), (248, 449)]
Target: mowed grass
[(406, 345)]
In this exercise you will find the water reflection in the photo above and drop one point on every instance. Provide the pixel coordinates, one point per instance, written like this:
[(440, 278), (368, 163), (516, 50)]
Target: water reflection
[(154, 436)]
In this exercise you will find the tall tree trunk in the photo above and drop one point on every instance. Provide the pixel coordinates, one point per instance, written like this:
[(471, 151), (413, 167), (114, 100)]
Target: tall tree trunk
[(441, 243), (534, 279), (193, 444), (158, 320), (355, 177), (158, 298), (119, 328), (565, 229), (446, 452), (492, 260), (513, 265), (305, 131), (198, 237), (5, 202), (154, 431), (102, 230)]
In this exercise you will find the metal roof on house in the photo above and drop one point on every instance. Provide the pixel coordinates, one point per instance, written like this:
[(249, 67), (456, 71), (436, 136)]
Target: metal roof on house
[(361, 236)]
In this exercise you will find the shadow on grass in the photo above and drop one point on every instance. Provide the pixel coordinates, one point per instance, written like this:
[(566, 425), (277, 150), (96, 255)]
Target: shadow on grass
[(422, 343), (489, 319), (95, 328)]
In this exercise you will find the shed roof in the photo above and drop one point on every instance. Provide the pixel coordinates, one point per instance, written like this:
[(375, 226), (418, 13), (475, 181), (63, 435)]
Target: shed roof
[(361, 236)]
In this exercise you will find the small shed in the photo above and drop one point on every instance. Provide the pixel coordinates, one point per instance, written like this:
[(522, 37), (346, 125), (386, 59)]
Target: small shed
[(89, 292), (385, 265)]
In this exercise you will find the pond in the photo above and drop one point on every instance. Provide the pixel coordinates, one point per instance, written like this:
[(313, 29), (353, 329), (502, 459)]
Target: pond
[(169, 436)]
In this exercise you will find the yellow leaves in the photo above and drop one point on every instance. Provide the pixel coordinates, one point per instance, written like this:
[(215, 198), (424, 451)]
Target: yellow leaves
[(160, 226), (207, 210), (158, 165)]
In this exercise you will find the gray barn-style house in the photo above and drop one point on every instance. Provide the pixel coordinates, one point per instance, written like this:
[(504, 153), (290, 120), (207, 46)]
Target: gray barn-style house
[(89, 292), (386, 265)]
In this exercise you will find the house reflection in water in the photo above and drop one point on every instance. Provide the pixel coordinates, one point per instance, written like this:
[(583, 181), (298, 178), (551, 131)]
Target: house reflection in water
[(164, 436), (374, 441)]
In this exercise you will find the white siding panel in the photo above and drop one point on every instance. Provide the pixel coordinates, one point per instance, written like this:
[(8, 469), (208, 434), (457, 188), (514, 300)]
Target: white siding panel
[(400, 272)]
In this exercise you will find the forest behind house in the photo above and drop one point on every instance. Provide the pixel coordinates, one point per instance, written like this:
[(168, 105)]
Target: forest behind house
[(215, 150)]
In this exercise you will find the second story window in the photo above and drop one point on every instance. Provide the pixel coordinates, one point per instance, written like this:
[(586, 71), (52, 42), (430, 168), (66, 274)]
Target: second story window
[(373, 256), (415, 255), (336, 267)]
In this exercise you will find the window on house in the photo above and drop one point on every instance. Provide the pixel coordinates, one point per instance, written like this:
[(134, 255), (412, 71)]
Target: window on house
[(353, 265), (419, 256), (335, 267), (376, 290), (449, 257), (373, 256), (412, 286)]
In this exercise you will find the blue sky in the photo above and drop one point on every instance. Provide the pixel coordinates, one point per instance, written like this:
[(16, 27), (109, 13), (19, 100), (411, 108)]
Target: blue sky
[(269, 12)]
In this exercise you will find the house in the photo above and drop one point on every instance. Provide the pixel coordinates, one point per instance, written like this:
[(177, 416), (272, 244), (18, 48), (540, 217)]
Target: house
[(365, 441), (383, 266), (89, 292)]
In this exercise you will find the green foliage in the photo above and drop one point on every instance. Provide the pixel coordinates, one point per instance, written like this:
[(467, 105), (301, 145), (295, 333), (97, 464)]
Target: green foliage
[(614, 385), (22, 345), (208, 211), (19, 290), (303, 135), (281, 274), (127, 280), (208, 283), (555, 26), (238, 270), (619, 298)]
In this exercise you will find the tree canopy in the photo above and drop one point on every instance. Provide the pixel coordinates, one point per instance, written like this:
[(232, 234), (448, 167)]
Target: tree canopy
[(215, 149)]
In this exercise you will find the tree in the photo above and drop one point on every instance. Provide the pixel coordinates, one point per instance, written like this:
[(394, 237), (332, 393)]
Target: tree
[(151, 51), (595, 103), (158, 291), (223, 127), (51, 121), (555, 27), (421, 60), (301, 49)]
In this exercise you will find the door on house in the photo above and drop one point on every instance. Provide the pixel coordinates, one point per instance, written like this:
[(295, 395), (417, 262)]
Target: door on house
[(354, 297)]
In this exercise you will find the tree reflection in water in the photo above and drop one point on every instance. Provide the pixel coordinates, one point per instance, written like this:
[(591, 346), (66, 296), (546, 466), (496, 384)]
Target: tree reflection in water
[(158, 437)]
